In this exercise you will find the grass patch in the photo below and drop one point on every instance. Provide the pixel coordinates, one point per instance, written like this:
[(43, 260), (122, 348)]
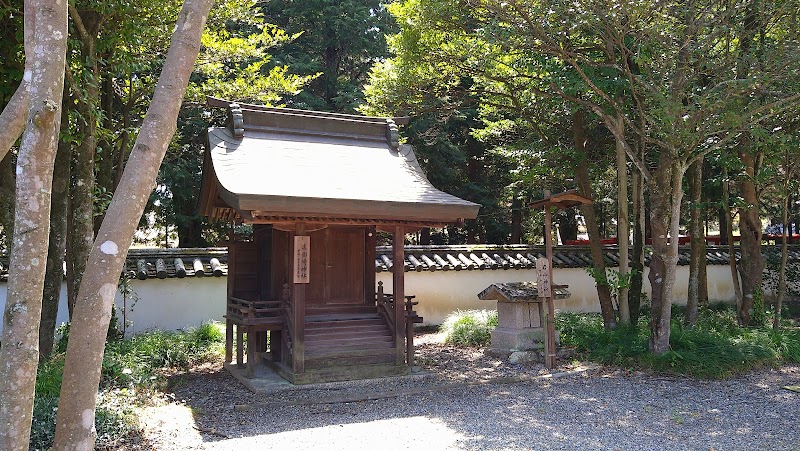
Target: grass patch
[(715, 349), (131, 369), (469, 327)]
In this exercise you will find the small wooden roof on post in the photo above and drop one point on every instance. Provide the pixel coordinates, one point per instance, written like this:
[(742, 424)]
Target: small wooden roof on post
[(563, 200)]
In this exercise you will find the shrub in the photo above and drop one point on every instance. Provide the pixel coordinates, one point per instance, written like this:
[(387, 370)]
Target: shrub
[(470, 327), (715, 348), (129, 368)]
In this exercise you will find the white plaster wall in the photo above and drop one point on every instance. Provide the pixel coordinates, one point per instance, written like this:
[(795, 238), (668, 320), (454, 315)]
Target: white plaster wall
[(442, 292), (168, 304), (172, 304)]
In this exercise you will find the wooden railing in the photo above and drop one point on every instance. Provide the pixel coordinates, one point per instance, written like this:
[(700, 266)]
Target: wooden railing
[(249, 312), (385, 303)]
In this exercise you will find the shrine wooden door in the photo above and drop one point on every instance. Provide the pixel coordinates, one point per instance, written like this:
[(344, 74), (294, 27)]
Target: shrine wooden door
[(337, 265)]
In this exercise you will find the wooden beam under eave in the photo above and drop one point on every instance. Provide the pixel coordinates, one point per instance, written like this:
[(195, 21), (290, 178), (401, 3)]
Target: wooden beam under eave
[(384, 225), (398, 289)]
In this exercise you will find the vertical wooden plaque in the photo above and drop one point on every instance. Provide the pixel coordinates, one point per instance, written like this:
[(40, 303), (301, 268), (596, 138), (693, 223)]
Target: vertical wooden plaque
[(543, 277), (302, 248)]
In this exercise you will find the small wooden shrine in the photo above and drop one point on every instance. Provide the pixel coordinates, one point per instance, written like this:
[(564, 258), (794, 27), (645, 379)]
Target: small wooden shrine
[(317, 187)]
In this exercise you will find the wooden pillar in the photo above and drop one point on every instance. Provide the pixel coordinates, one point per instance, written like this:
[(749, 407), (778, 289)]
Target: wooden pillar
[(228, 340), (298, 300), (239, 346), (230, 286), (398, 288)]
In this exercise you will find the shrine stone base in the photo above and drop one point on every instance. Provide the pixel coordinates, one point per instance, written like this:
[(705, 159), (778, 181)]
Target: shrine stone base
[(519, 335)]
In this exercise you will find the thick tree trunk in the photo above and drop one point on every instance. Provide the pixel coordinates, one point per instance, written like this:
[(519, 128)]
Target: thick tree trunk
[(19, 355), (698, 244), (752, 264), (666, 192), (75, 420), (54, 273), (585, 188)]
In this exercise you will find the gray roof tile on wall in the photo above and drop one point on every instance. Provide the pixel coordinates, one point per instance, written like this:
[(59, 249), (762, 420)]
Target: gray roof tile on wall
[(177, 263)]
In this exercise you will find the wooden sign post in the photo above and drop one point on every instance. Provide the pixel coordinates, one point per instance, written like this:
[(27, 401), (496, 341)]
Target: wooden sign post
[(544, 266)]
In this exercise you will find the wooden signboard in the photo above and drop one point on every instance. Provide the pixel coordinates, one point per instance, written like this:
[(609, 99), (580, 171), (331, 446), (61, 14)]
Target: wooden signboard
[(543, 277), (302, 249)]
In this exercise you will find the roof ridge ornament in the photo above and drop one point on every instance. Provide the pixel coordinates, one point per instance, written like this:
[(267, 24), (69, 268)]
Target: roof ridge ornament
[(392, 134), (236, 120)]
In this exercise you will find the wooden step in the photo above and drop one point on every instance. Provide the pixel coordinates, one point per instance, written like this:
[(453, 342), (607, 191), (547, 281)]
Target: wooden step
[(362, 342), (333, 359), (342, 373), (365, 329), (346, 333), (325, 325), (342, 318)]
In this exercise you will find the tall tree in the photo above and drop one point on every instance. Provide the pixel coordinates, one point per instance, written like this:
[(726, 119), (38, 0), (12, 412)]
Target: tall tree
[(54, 272), (340, 40), (75, 419), (19, 354), (645, 53)]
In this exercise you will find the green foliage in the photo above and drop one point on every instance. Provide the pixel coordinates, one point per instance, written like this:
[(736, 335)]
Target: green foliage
[(335, 41), (469, 327), (716, 348), (129, 368), (138, 360)]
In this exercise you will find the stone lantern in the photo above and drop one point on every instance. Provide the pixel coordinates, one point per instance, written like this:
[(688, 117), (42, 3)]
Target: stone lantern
[(520, 334)]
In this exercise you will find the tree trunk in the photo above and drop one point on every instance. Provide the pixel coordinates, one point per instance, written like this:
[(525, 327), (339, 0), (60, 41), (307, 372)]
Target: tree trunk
[(698, 243), (752, 264), (54, 273), (737, 290), (82, 194), (107, 149), (666, 192), (425, 236), (12, 119), (622, 224), (637, 263), (19, 356), (190, 233), (585, 188), (516, 221), (75, 420), (8, 181), (567, 225), (776, 321)]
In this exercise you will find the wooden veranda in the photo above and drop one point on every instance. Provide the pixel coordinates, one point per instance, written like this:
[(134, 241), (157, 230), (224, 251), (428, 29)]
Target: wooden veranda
[(317, 187)]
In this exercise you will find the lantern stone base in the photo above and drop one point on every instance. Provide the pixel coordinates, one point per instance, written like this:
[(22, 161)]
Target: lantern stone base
[(519, 335)]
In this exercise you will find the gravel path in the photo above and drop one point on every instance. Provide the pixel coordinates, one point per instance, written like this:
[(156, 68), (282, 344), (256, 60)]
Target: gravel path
[(596, 409)]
